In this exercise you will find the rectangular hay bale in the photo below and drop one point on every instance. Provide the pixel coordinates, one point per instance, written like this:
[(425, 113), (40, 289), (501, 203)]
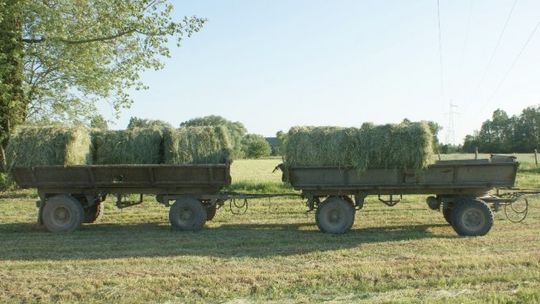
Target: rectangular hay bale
[(197, 145), (134, 146), (408, 145), (49, 145)]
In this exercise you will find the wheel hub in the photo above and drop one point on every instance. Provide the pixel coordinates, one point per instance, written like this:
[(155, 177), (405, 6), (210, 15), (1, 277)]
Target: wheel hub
[(186, 214), (61, 215), (334, 216), (473, 219)]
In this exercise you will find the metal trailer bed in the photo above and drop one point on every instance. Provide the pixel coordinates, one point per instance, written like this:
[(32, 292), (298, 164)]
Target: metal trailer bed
[(71, 195), (459, 188)]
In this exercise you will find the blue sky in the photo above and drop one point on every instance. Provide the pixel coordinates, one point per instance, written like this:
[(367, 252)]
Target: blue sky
[(277, 64)]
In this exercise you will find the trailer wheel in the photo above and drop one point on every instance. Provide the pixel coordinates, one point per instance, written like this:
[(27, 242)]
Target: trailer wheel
[(447, 212), (93, 213), (62, 213), (335, 216), (187, 214), (210, 212), (472, 217)]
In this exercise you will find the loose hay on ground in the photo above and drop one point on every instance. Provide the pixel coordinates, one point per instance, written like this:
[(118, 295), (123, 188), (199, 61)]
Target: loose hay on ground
[(197, 145), (408, 145), (134, 146), (51, 145)]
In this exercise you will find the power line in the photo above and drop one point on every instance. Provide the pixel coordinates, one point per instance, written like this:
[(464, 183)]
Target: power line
[(464, 48), (501, 34), (440, 50), (514, 62)]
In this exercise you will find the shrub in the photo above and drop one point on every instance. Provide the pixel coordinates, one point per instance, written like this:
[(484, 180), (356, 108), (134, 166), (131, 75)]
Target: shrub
[(255, 146)]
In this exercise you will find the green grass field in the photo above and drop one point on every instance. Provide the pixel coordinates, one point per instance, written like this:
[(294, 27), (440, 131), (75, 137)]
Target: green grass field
[(272, 253)]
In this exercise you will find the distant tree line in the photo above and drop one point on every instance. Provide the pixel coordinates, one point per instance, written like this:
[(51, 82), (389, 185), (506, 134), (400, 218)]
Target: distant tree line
[(505, 134)]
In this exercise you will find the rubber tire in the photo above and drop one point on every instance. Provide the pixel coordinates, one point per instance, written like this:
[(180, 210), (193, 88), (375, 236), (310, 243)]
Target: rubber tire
[(74, 209), (94, 213), (446, 210), (210, 212), (468, 208), (335, 206), (194, 211)]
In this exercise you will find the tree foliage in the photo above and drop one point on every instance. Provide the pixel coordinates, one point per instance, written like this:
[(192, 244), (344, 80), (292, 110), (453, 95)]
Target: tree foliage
[(470, 143), (435, 129), (78, 52), (99, 122), (449, 148), (135, 122), (255, 146), (236, 129), (12, 111), (281, 142)]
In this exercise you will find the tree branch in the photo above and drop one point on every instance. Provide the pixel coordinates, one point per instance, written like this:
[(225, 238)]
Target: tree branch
[(81, 41)]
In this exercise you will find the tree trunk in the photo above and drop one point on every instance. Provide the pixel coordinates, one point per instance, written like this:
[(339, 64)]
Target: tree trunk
[(12, 103)]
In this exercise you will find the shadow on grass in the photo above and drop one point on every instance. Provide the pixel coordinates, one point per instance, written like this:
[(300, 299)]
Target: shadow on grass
[(26, 241)]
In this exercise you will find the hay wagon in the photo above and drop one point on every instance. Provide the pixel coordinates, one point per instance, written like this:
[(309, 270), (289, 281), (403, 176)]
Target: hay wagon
[(71, 195), (458, 188)]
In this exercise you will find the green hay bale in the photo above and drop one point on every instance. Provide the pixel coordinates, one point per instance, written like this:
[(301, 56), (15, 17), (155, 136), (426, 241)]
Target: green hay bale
[(197, 145), (315, 146), (407, 145), (135, 146), (49, 145)]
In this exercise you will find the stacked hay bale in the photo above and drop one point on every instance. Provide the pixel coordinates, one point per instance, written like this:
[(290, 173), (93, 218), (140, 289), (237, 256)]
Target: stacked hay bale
[(133, 146), (318, 146), (197, 145), (55, 145), (407, 145), (49, 145)]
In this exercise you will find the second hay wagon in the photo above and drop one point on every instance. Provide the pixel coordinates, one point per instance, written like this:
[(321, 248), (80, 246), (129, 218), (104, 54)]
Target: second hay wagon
[(459, 188)]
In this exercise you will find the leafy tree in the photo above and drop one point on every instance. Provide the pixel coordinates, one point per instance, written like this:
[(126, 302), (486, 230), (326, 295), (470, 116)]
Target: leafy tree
[(496, 135), (449, 148), (99, 122), (59, 57), (236, 129), (135, 122), (6, 181), (282, 141), (527, 130), (12, 112), (470, 143), (504, 134), (435, 129), (255, 146)]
